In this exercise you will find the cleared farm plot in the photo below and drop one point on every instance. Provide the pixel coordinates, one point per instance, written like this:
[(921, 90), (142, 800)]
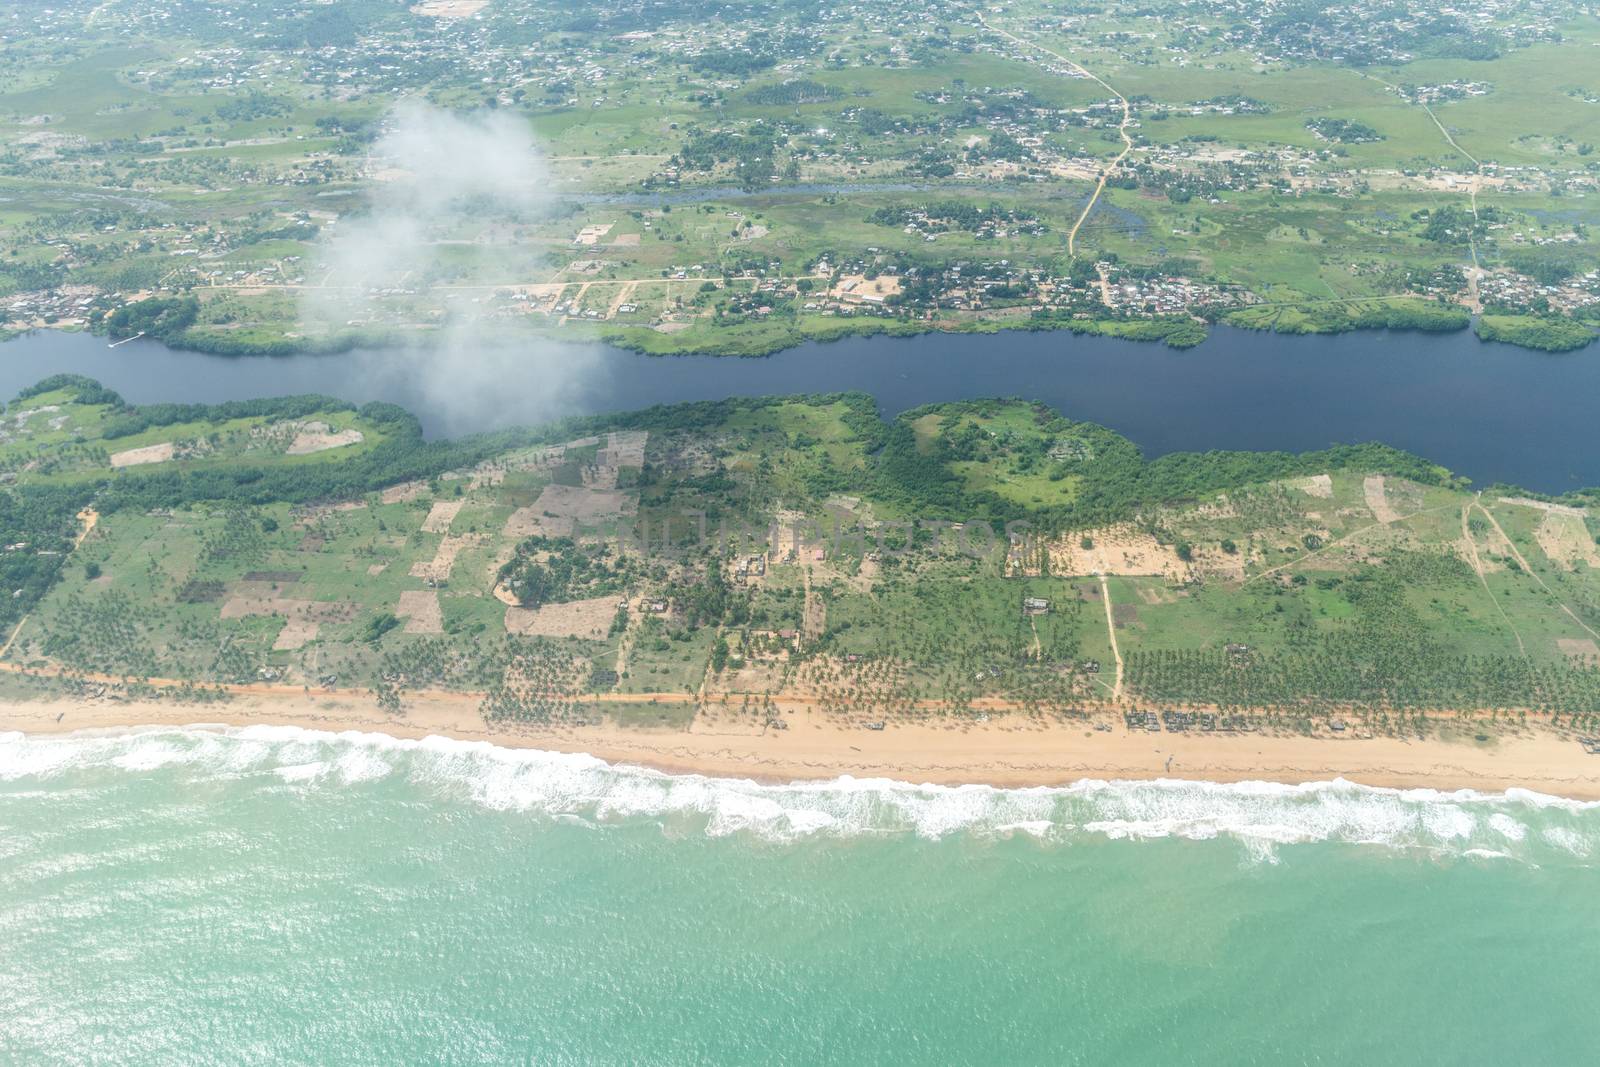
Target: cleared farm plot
[(135, 457), (560, 509), (444, 560), (320, 437), (420, 609), (578, 618), (441, 515)]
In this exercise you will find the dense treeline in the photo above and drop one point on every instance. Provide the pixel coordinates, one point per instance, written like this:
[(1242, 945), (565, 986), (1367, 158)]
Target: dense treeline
[(1343, 131), (1451, 224), (163, 318), (956, 213), (793, 93), (740, 64), (751, 152), (1175, 331), (37, 523), (1546, 333), (134, 420), (87, 390), (1339, 316), (548, 570), (401, 456), (1117, 482)]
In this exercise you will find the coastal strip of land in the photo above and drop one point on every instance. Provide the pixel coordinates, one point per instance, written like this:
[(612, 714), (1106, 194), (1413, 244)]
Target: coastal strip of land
[(1005, 751)]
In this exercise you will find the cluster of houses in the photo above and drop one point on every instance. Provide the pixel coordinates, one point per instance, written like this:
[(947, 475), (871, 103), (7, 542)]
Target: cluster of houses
[(1434, 94), (1183, 721), (1518, 290), (1369, 31), (1171, 296), (68, 305)]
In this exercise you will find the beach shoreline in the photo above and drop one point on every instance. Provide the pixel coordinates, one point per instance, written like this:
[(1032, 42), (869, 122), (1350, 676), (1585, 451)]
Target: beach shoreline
[(1006, 752)]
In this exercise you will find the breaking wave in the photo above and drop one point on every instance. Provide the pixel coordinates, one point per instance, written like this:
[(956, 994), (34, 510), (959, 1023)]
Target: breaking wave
[(1518, 824)]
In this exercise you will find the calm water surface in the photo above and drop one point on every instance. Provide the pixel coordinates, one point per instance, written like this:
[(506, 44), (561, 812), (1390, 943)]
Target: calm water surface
[(1491, 412)]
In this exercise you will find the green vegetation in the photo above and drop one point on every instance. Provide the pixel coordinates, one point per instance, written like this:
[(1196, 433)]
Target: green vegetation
[(546, 570), (161, 319), (950, 556), (735, 182), (1403, 314), (1343, 131), (1542, 332)]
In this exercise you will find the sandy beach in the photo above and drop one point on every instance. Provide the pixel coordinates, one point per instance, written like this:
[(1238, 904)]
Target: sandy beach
[(1007, 751)]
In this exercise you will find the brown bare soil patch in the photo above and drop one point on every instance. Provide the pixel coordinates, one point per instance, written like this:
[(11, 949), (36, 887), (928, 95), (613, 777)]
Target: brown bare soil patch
[(441, 515), (296, 633), (1118, 550), (859, 289), (320, 437), (867, 577), (757, 675), (1318, 485), (1373, 489), (579, 618), (1579, 649), (524, 522), (134, 457), (312, 514), (444, 560), (1563, 537), (561, 508), (624, 449), (399, 494), (597, 477), (420, 609)]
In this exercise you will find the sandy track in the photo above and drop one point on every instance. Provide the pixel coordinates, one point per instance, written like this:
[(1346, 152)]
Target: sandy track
[(1122, 127)]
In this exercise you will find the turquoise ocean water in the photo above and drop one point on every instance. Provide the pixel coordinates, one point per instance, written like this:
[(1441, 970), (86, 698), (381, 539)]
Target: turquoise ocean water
[(274, 895)]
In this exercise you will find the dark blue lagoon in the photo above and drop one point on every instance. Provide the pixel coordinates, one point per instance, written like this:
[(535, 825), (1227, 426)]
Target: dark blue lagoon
[(1491, 412)]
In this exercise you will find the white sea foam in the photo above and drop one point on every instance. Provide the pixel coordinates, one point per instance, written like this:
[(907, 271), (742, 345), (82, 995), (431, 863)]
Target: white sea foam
[(1264, 816), (1568, 839), (1506, 826)]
